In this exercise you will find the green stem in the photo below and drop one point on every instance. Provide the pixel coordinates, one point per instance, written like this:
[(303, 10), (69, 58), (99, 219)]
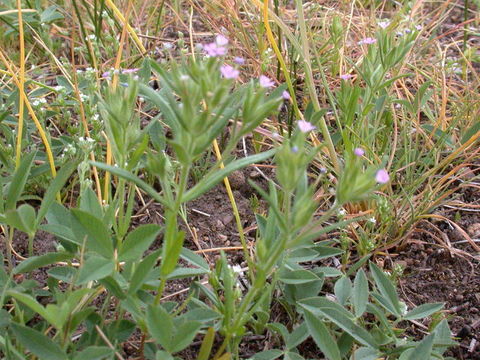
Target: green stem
[(311, 86)]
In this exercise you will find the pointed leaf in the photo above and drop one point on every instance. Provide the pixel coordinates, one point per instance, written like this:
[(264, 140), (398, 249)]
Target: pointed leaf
[(18, 181), (160, 326), (423, 311), (39, 344), (386, 288), (360, 293), (95, 268), (98, 239), (322, 337), (138, 241)]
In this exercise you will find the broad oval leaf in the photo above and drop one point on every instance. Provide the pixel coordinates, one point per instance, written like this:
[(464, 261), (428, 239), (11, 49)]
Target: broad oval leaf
[(39, 344), (138, 241)]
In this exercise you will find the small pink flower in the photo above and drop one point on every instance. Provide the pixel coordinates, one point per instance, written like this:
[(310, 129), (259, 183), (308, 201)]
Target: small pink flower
[(239, 60), (129, 71), (221, 40), (384, 24), (382, 176), (285, 95), (346, 76), (213, 50), (305, 126), (359, 152), (229, 72), (266, 82), (367, 41)]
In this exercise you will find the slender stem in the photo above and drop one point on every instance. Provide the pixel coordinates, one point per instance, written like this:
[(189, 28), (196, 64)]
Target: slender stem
[(311, 86)]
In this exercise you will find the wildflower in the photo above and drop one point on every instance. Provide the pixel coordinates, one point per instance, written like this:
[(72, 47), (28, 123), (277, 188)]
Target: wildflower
[(408, 31), (184, 77), (305, 126), (372, 220), (58, 88), (221, 40), (79, 71), (124, 84), (418, 27), (167, 46), (213, 50), (359, 152), (346, 76), (265, 82), (129, 71), (90, 37), (285, 95), (295, 149), (239, 60), (342, 212), (367, 41), (399, 33), (323, 170), (382, 176), (229, 72), (106, 75), (384, 24)]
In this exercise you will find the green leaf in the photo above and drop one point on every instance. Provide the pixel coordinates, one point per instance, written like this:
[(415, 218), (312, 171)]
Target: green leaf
[(184, 334), (95, 268), (55, 186), (94, 353), (39, 344), (216, 175), (36, 262), (267, 355), (138, 241), (36, 307), (322, 337), (160, 326), (132, 178), (171, 254), (194, 259), (343, 289), (207, 343), (297, 277), (338, 315), (18, 181), (423, 311), (423, 350), (360, 293), (298, 335), (22, 219), (142, 271), (386, 288), (89, 203), (98, 239), (366, 353)]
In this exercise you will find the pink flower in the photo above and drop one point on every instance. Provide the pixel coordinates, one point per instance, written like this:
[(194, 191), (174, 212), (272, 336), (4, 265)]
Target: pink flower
[(359, 152), (367, 41), (213, 50), (129, 71), (266, 82), (229, 72), (285, 95), (305, 126), (346, 76), (382, 176), (384, 24), (221, 40), (239, 60)]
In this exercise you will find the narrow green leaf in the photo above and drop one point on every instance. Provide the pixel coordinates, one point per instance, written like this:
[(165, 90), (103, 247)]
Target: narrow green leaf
[(171, 254), (138, 241), (54, 188), (184, 334), (386, 288), (132, 178), (322, 337), (267, 355), (297, 277), (35, 306), (18, 181), (216, 175), (160, 326), (39, 344), (423, 350), (423, 311), (94, 353), (207, 343), (343, 289), (142, 271), (36, 262), (338, 315), (98, 239), (95, 268), (360, 293)]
